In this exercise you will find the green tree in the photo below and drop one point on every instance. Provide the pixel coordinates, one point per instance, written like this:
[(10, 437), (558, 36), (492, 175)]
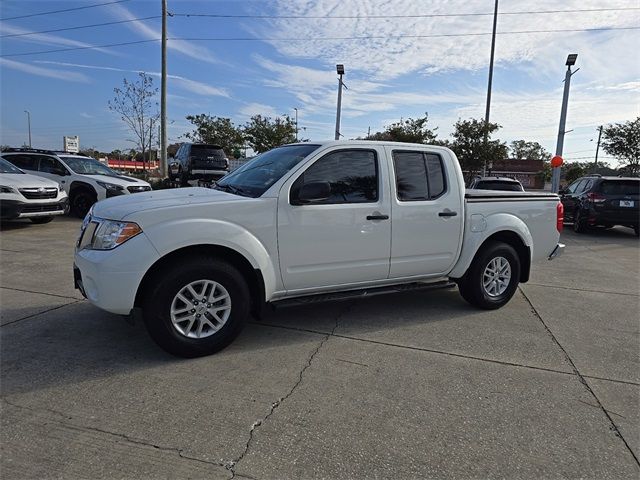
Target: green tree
[(622, 140), (216, 130), (573, 171), (411, 130), (263, 133), (136, 105), (470, 147), (523, 150)]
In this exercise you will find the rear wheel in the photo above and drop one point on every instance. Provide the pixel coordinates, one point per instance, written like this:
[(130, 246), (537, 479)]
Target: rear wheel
[(579, 222), (493, 276), (40, 220), (197, 308)]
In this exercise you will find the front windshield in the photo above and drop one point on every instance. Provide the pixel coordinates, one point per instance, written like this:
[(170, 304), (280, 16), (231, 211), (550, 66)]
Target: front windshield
[(88, 166), (6, 167), (256, 176)]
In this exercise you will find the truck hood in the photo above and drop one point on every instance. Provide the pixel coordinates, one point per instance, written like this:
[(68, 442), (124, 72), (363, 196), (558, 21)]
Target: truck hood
[(19, 180), (117, 208)]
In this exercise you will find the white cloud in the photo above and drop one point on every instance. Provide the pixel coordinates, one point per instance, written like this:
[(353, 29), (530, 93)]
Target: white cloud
[(44, 72), (47, 39), (188, 84), (184, 47), (252, 109)]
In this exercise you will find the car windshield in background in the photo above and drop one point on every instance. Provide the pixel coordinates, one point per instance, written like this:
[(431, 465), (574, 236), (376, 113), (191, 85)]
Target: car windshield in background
[(6, 167), (620, 187), (203, 151), (88, 166), (256, 176), (497, 185)]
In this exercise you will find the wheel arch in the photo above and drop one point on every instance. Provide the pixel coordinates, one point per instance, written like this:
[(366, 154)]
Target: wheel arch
[(255, 279), (77, 185)]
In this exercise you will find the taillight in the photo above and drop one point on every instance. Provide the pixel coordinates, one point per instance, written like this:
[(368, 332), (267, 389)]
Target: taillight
[(596, 197), (559, 217)]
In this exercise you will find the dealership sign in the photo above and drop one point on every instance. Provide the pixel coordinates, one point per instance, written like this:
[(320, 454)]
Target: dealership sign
[(71, 144)]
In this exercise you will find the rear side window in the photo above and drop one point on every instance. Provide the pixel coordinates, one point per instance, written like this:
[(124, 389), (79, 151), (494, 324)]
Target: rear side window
[(620, 187), (352, 174), (25, 162), (498, 185), (419, 176)]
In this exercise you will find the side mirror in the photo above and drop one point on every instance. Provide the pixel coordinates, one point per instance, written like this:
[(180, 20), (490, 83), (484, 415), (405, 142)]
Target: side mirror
[(562, 192), (314, 192)]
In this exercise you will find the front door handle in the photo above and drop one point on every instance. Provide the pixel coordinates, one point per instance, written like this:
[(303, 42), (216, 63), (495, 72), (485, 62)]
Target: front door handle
[(377, 217), (447, 213)]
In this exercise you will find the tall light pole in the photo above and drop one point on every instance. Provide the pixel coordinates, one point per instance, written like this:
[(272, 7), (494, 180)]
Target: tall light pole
[(163, 95), (340, 70), (29, 125), (555, 177), (488, 109), (296, 123)]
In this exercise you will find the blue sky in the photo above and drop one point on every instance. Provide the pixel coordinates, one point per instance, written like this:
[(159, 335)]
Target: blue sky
[(388, 77)]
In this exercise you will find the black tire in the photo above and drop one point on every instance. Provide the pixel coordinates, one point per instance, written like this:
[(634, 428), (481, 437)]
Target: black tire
[(471, 284), (41, 220), (184, 178), (636, 230), (579, 222), (81, 201), (158, 299)]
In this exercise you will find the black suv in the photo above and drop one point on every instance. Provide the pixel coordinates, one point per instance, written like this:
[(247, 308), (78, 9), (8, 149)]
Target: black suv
[(198, 161), (605, 201)]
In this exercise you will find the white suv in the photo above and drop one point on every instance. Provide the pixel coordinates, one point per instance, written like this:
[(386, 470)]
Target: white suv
[(85, 179), (28, 196)]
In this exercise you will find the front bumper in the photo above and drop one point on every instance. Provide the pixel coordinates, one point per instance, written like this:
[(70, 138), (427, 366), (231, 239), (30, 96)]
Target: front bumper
[(559, 250), (12, 209), (109, 279)]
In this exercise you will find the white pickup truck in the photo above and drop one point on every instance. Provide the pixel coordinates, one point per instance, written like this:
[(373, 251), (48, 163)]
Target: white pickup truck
[(308, 221)]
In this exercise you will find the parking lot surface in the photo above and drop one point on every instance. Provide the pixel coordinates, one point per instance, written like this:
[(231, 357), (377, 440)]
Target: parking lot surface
[(408, 385)]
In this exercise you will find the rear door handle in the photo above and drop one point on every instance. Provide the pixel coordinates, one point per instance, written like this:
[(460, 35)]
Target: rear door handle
[(377, 217), (447, 213)]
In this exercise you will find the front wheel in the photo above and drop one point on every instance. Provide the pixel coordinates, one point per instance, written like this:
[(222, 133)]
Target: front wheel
[(197, 308), (493, 276), (81, 202), (579, 222)]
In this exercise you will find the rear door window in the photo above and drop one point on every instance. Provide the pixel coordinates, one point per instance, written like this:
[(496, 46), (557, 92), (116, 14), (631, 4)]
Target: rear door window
[(419, 176), (51, 165), (24, 161)]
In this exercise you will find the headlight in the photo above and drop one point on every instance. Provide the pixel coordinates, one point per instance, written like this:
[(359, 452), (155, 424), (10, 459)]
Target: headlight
[(4, 189), (111, 186), (110, 233)]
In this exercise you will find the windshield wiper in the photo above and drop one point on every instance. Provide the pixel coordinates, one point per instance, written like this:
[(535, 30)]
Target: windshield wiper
[(231, 189)]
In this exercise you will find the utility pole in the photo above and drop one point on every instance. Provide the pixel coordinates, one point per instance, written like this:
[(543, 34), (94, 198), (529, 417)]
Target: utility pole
[(368, 133), (29, 125), (340, 70), (163, 95), (488, 109), (555, 177), (296, 123), (595, 164)]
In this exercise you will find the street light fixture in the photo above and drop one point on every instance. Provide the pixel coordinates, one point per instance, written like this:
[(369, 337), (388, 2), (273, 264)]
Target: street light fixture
[(29, 125), (571, 59), (340, 71)]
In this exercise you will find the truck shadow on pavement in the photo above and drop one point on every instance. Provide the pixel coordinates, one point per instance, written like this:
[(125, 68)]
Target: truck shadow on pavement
[(78, 342)]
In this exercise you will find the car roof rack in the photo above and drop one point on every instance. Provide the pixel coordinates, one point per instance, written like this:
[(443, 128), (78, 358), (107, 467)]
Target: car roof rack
[(28, 150)]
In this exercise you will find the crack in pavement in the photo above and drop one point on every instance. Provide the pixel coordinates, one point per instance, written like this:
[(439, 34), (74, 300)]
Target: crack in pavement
[(41, 313), (582, 289), (231, 465), (581, 378), (124, 436), (39, 293)]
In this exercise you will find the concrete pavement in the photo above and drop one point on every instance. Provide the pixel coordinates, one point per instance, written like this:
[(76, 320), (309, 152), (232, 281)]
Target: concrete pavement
[(410, 385)]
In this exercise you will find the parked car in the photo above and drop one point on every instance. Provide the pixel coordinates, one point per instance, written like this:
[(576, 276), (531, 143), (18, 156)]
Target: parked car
[(496, 183), (308, 221), (199, 161), (85, 179), (605, 201), (28, 196)]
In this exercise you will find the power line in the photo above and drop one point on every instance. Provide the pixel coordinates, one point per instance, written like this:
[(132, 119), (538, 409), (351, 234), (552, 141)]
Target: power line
[(78, 27), (65, 10), (314, 39), (431, 15)]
